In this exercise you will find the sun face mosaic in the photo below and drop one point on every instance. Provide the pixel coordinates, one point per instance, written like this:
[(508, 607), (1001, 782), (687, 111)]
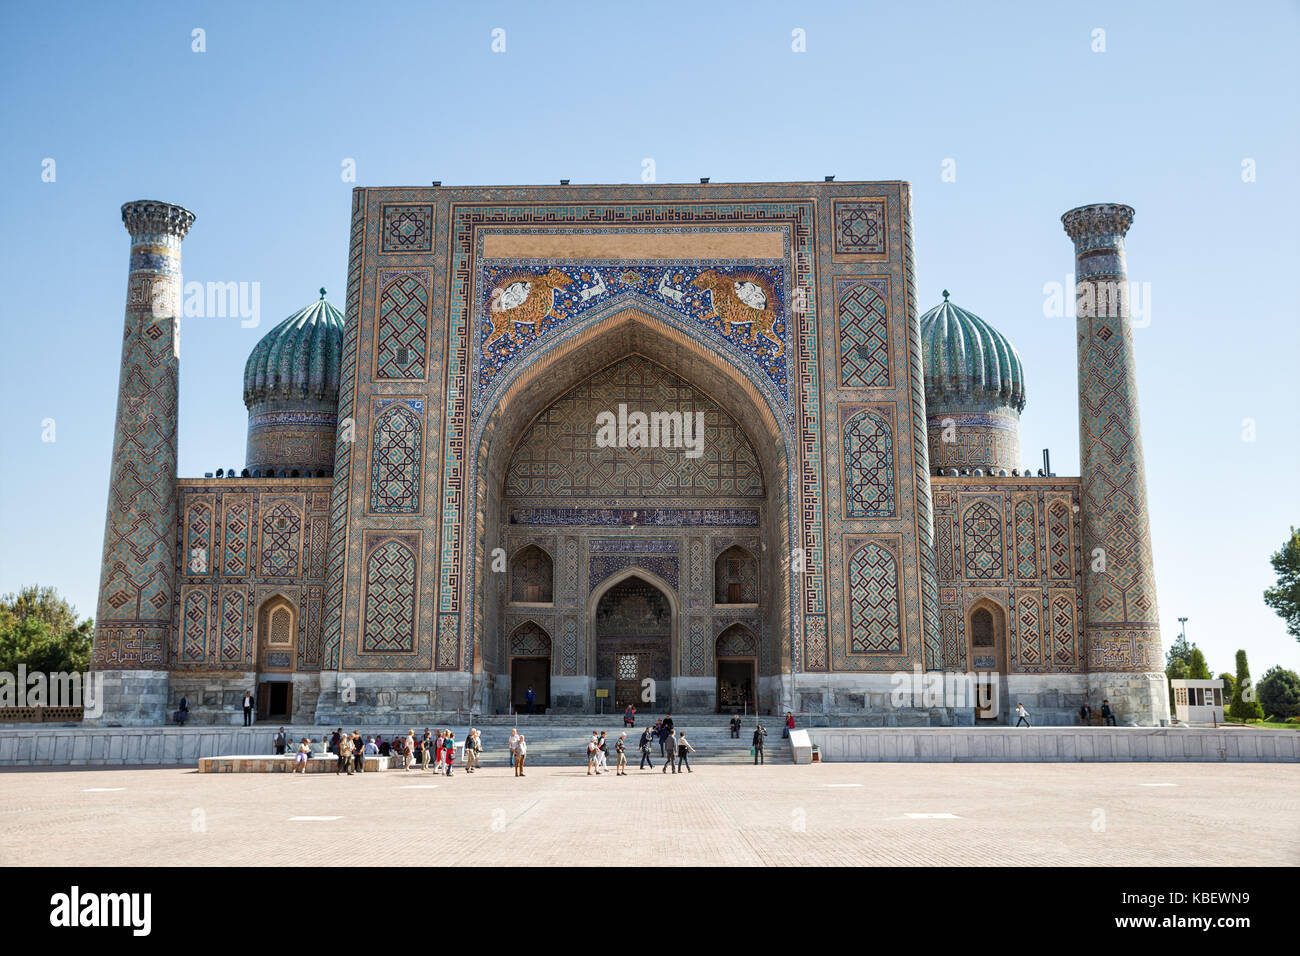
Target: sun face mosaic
[(524, 307)]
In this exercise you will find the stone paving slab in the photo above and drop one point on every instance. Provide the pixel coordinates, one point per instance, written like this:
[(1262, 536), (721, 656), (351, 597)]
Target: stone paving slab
[(845, 814)]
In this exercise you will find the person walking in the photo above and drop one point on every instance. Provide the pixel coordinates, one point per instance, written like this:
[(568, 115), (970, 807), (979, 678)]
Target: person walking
[(473, 746), (671, 759), (591, 755), (449, 751), (530, 695), (514, 745), (662, 732), (683, 748), (620, 748), (408, 749), (759, 733), (602, 754), (427, 749), (521, 754), (281, 742), (358, 752), (647, 741), (1023, 715), (345, 755), (248, 708)]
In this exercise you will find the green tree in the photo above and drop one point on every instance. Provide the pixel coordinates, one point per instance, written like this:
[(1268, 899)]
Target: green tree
[(1244, 705), (1229, 685), (1179, 650), (1197, 669), (1285, 597), (40, 629), (1279, 692)]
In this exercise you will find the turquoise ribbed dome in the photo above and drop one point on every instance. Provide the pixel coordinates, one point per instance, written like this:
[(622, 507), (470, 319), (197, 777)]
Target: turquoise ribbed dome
[(968, 361), (299, 358)]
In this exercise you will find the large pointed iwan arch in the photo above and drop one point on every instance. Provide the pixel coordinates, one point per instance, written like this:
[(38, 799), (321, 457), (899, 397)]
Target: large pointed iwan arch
[(595, 344)]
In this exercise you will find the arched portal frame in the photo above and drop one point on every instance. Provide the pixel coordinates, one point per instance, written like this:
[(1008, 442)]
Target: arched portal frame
[(603, 337), (659, 584)]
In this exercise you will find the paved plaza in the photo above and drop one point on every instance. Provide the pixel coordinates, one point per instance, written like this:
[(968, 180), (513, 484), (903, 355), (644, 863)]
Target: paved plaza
[(820, 815)]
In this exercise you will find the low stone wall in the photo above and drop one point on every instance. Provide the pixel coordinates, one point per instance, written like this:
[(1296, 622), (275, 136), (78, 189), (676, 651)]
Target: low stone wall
[(1053, 744), (318, 764)]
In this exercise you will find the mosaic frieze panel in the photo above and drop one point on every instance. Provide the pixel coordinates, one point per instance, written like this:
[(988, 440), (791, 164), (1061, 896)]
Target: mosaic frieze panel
[(875, 625), (636, 517), (565, 454), (1062, 611), (602, 567), (868, 445), (695, 661), (390, 595), (526, 307), (397, 445), (862, 313), (571, 639), (401, 333), (1060, 551)]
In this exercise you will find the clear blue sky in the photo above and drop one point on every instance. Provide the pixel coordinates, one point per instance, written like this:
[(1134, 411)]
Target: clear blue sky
[(251, 135)]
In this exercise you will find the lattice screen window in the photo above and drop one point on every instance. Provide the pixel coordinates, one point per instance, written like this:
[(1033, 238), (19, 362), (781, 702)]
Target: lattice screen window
[(281, 620), (627, 667)]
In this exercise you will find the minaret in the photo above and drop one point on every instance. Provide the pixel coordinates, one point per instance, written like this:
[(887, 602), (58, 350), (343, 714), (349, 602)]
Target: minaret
[(1121, 627), (133, 622)]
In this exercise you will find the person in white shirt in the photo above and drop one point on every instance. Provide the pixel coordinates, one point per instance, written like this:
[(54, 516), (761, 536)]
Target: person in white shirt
[(514, 745), (521, 752), (1023, 715)]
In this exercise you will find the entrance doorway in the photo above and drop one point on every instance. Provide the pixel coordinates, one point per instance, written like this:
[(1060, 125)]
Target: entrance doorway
[(634, 626), (736, 682), (534, 672), (275, 700), (986, 627)]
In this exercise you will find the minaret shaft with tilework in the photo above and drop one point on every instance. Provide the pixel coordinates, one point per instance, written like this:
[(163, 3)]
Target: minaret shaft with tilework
[(1121, 620), (133, 623)]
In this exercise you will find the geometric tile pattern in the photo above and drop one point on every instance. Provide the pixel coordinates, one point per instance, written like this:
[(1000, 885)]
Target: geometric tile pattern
[(860, 228), (1029, 637), (1063, 628), (864, 337), (563, 455), (406, 228), (402, 328), (737, 641), (532, 576), (1060, 554), (981, 541), (134, 616), (529, 640), (194, 628), (390, 598), (1026, 540), (397, 444), (735, 570), (868, 467), (874, 626), (234, 612), (281, 540)]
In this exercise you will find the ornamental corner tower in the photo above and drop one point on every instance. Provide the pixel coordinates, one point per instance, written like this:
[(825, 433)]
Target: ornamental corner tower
[(133, 623), (1121, 620)]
